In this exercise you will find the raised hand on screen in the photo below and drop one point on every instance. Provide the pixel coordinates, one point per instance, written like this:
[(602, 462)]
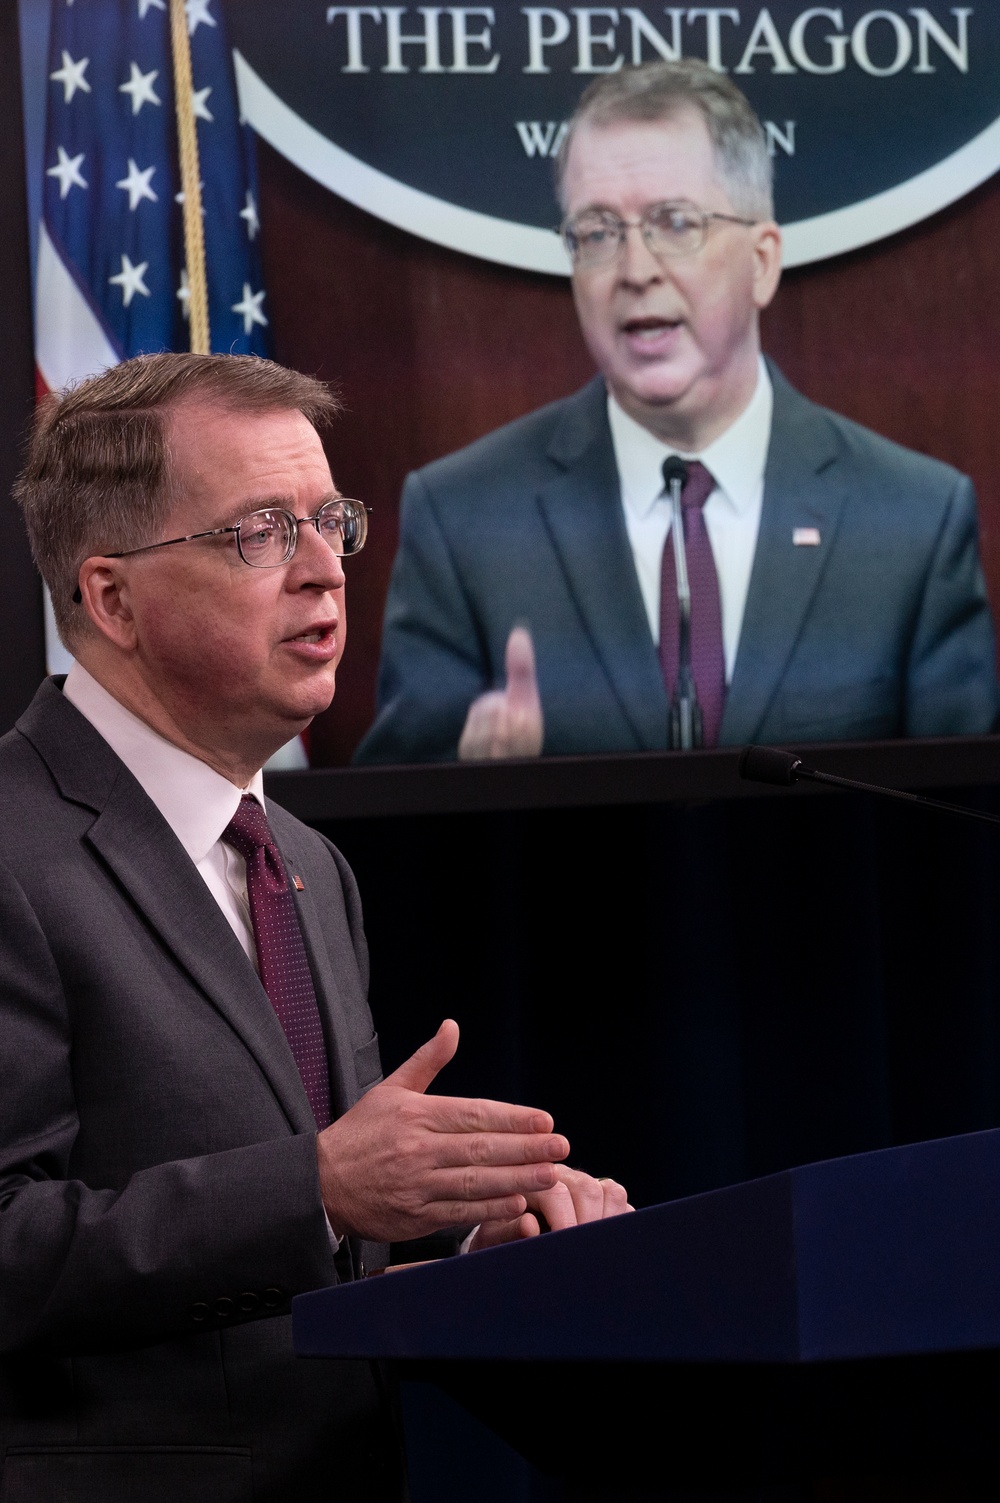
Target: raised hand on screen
[(507, 722)]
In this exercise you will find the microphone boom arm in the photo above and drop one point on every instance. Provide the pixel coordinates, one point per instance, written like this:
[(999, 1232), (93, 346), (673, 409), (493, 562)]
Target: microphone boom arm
[(769, 764)]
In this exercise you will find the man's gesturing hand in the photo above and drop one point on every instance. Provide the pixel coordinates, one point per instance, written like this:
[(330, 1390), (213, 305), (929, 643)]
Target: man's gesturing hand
[(507, 722), (401, 1164)]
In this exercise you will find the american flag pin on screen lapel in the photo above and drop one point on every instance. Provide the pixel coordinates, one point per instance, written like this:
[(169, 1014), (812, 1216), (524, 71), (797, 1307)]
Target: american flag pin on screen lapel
[(805, 537), (298, 884)]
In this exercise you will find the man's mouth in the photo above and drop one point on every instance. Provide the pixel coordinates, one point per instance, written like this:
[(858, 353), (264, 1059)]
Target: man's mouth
[(322, 639), (649, 329)]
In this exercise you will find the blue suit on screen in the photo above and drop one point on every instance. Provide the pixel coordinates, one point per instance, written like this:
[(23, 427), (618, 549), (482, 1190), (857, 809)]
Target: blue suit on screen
[(882, 630)]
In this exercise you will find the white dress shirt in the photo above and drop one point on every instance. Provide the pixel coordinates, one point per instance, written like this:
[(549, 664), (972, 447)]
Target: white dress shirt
[(736, 461), (196, 802)]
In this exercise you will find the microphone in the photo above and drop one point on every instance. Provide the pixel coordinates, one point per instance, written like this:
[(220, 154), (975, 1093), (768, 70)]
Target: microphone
[(769, 764), (685, 711)]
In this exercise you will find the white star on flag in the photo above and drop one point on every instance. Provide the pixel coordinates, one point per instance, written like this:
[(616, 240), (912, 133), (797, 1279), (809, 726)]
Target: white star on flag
[(199, 108), (183, 294), (136, 185), (140, 86), (249, 308), (250, 215), (145, 4), (67, 170), (70, 75), (129, 279), (197, 12)]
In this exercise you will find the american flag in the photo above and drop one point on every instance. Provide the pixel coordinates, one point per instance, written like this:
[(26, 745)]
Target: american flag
[(111, 277)]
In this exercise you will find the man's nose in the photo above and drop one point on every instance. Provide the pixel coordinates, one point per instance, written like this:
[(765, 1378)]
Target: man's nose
[(315, 562), (637, 266)]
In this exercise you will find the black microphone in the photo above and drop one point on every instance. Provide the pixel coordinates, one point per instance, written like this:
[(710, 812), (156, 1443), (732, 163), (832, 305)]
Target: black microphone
[(675, 470), (769, 764), (685, 711)]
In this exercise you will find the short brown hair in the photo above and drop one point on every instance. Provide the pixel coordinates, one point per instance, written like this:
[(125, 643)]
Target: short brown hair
[(659, 91), (98, 476)]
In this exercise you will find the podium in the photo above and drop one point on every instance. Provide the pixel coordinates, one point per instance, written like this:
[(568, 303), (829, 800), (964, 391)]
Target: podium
[(840, 1319)]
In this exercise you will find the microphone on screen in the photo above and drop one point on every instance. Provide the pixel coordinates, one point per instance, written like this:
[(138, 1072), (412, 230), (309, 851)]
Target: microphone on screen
[(685, 711), (770, 764)]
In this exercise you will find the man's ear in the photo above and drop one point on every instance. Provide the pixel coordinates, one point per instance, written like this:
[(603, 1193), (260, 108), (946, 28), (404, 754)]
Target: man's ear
[(104, 596), (767, 262)]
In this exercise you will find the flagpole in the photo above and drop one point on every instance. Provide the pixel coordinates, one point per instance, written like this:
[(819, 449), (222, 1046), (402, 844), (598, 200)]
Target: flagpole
[(187, 140)]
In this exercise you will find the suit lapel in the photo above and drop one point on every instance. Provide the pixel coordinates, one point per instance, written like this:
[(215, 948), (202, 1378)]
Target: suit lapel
[(160, 880), (803, 487), (582, 510)]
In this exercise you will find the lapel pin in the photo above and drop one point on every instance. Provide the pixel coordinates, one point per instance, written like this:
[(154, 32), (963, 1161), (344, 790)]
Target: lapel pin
[(298, 884), (805, 537)]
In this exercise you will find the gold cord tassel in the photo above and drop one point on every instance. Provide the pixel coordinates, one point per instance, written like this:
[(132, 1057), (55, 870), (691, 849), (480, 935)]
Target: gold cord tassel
[(187, 140)]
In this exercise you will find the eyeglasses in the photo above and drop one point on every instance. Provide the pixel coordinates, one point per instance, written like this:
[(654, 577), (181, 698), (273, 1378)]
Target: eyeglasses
[(268, 538), (676, 228)]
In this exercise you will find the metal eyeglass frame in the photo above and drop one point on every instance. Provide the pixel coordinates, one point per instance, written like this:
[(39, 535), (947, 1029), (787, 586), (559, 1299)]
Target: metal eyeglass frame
[(643, 225), (293, 534)]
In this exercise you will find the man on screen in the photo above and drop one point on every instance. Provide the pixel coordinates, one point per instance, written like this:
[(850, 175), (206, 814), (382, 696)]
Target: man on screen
[(194, 1123), (836, 588)]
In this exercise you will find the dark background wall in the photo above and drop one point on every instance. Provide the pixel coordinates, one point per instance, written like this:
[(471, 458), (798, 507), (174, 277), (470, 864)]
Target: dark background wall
[(700, 994)]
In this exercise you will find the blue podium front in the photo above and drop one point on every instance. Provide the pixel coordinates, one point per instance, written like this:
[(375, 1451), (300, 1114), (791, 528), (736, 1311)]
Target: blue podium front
[(835, 1319)]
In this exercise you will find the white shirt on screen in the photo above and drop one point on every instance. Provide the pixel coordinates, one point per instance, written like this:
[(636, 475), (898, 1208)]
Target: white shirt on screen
[(736, 461)]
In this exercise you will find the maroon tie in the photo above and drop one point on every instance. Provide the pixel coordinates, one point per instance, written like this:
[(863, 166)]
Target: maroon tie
[(281, 951), (708, 663)]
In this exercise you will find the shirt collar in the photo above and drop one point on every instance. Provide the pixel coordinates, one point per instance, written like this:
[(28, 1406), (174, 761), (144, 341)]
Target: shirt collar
[(736, 458), (196, 801)]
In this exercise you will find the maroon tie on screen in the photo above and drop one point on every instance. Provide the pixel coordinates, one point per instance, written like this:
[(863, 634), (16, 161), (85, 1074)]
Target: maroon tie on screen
[(281, 951), (708, 663)]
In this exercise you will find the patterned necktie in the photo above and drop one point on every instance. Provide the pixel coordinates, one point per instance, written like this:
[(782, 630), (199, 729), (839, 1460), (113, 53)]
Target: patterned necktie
[(281, 951), (708, 663)]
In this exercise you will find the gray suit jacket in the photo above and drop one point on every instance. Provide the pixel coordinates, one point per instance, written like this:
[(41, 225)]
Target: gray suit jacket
[(159, 1198), (883, 630)]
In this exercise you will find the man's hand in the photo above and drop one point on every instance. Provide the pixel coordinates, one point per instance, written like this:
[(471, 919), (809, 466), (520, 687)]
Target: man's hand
[(574, 1199), (507, 722), (402, 1164)]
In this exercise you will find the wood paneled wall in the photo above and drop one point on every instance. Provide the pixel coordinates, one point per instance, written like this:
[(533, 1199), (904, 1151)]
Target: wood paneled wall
[(431, 349)]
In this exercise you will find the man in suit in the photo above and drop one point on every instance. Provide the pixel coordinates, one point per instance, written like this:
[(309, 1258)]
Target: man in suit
[(836, 587), (194, 1124)]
